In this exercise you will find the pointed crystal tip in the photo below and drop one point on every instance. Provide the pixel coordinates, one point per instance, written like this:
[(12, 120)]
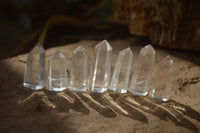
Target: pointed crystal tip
[(38, 49), (80, 49), (104, 44), (148, 49), (58, 54), (126, 51), (167, 58), (38, 44)]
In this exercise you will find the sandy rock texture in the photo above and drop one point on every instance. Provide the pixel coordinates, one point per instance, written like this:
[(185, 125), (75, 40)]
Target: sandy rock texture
[(24, 110)]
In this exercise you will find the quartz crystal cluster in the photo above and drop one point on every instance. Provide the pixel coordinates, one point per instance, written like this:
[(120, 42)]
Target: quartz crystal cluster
[(93, 72)]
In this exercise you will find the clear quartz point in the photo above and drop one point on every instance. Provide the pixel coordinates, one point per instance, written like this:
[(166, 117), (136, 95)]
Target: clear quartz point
[(79, 70), (163, 81), (100, 69), (121, 73), (57, 72), (35, 68), (142, 74)]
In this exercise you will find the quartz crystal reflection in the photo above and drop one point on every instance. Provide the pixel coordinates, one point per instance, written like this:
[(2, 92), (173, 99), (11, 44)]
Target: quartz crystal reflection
[(100, 70), (79, 70), (57, 72), (121, 73), (142, 74), (163, 81), (35, 68)]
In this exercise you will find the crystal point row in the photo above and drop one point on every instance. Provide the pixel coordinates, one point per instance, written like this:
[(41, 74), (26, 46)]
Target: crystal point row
[(95, 73)]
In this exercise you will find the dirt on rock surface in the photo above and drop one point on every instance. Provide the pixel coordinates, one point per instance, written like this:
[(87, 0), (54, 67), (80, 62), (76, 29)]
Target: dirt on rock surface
[(24, 110)]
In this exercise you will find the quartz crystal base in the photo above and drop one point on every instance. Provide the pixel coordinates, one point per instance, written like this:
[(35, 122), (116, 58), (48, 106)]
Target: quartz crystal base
[(57, 84), (122, 90), (79, 88), (33, 87), (138, 93), (118, 90), (57, 89), (99, 89), (160, 98)]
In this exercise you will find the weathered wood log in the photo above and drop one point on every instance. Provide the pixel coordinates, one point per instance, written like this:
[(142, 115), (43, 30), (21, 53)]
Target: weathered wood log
[(168, 23)]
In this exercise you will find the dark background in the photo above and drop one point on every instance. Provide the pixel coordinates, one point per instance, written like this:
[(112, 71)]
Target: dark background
[(22, 22)]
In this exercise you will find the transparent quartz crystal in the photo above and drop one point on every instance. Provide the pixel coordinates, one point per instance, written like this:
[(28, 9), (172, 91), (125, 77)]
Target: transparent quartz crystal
[(79, 70), (35, 68), (163, 80), (121, 73), (142, 74), (57, 72), (100, 69)]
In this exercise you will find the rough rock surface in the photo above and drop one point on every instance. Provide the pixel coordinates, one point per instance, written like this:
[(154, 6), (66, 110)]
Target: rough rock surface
[(168, 23), (24, 110)]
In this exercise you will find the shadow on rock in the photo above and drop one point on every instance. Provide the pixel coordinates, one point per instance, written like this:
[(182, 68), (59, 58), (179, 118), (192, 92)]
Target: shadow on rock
[(165, 110), (38, 112), (94, 101), (114, 101)]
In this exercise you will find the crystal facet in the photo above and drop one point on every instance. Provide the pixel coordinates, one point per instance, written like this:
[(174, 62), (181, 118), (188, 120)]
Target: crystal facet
[(35, 68), (57, 72), (163, 81), (121, 73), (100, 69), (79, 70), (142, 74)]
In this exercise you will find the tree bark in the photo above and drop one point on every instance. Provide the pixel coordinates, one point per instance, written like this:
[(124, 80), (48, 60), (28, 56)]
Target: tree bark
[(168, 23)]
